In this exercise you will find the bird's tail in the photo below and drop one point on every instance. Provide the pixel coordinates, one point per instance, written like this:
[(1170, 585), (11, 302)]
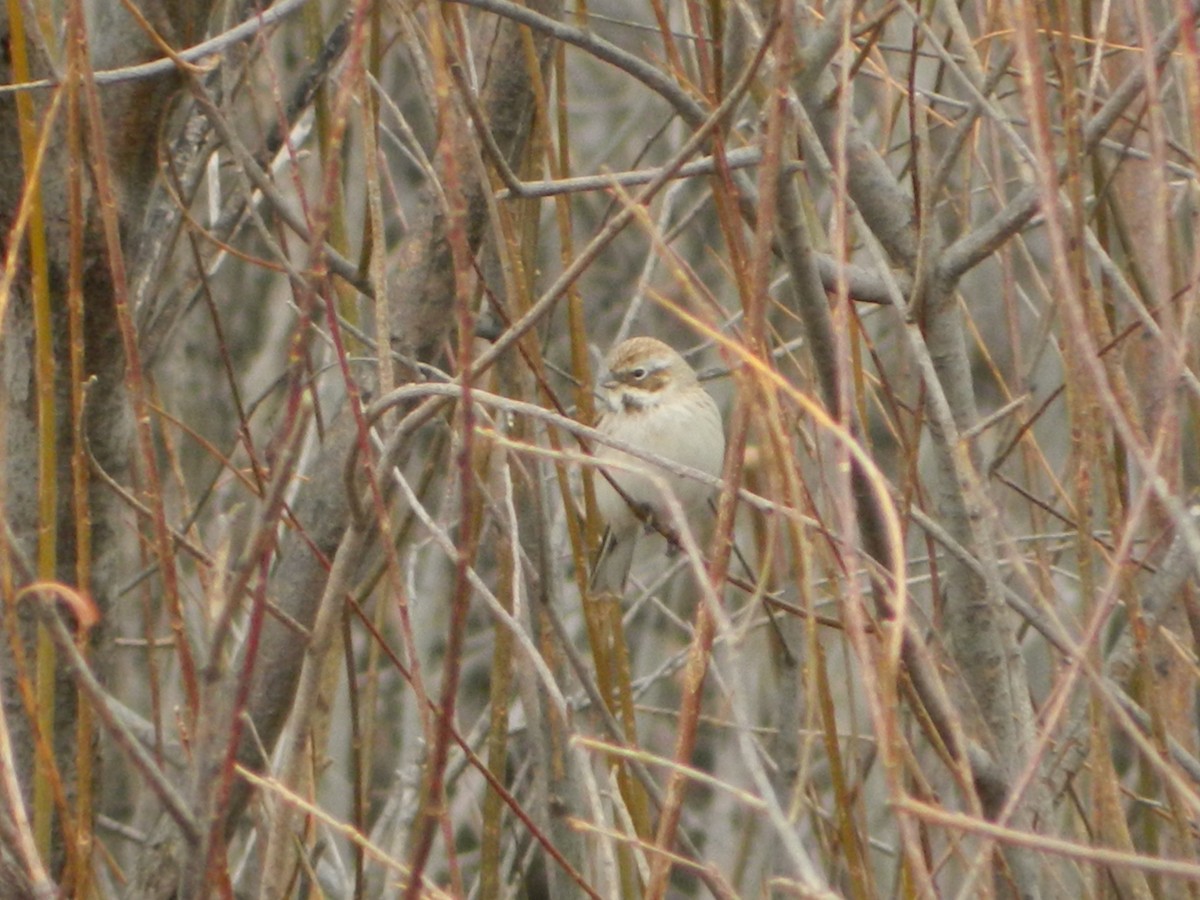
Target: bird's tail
[(613, 563)]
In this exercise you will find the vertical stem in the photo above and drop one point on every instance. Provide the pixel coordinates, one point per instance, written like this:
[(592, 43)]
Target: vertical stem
[(43, 815), (84, 732)]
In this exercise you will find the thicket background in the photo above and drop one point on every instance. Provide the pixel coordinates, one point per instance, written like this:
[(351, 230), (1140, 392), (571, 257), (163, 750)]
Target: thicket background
[(297, 325)]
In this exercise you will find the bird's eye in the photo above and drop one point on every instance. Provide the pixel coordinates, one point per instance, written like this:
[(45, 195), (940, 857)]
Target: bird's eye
[(638, 374)]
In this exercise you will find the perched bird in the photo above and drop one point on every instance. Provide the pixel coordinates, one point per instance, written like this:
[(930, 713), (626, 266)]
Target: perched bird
[(651, 399)]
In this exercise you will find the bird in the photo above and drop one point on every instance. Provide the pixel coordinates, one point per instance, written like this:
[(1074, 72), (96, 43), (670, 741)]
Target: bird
[(651, 399)]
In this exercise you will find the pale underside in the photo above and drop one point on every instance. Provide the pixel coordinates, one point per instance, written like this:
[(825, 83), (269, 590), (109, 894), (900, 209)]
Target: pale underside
[(657, 430)]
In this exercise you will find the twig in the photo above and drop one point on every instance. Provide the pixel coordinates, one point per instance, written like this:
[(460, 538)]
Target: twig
[(173, 802), (212, 47)]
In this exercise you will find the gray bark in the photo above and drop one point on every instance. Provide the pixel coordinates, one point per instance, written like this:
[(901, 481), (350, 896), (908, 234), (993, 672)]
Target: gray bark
[(132, 114)]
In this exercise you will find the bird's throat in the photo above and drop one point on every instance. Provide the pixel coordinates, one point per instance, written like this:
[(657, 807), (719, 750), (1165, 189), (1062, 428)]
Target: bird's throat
[(637, 402)]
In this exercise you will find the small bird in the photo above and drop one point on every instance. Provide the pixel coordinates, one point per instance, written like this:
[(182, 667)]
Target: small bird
[(651, 400)]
